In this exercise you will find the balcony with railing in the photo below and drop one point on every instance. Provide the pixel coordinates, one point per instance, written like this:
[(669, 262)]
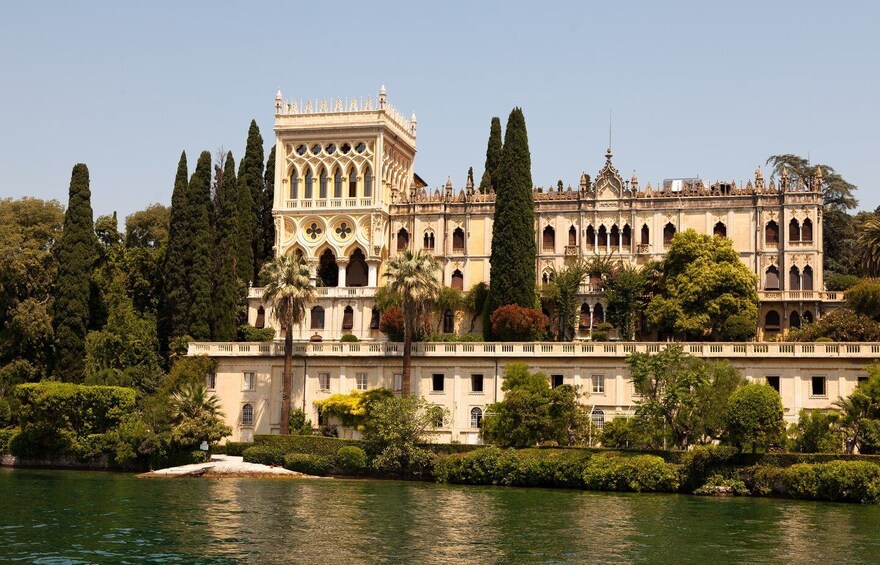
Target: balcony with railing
[(802, 295), (328, 203), (538, 349), (329, 292)]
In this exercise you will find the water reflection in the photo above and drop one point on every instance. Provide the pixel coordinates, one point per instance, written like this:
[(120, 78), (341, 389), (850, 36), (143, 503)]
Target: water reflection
[(70, 517)]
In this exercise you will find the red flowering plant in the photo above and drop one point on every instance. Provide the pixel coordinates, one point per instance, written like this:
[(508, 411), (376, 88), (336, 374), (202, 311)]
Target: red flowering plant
[(517, 323)]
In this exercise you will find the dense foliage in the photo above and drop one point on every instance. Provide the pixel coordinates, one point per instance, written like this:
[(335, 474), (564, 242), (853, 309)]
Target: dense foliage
[(754, 417), (512, 259), (518, 323), (840, 325), (704, 283)]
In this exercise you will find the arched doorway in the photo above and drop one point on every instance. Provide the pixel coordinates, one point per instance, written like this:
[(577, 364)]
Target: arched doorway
[(328, 270), (356, 272)]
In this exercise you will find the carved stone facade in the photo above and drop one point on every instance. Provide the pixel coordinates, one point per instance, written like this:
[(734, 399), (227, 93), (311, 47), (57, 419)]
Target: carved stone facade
[(347, 197)]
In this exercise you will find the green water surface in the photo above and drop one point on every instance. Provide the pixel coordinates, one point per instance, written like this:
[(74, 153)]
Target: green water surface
[(93, 517)]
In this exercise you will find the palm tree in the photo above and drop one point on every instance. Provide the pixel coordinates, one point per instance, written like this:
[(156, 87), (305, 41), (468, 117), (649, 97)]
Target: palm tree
[(853, 409), (869, 243), (193, 401), (289, 289), (413, 277)]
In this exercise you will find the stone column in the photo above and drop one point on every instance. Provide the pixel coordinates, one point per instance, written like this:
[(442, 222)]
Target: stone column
[(372, 272), (342, 263)]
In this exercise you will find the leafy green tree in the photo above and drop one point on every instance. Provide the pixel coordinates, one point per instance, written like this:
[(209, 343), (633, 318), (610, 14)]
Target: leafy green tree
[(76, 253), (475, 301), (625, 293), (816, 432), (532, 413), (149, 227), (394, 431), (840, 325), (201, 248), (512, 259), (681, 395), (626, 433), (450, 299), (175, 307), (252, 194), (561, 293), (754, 417), (413, 276), (704, 284), (125, 352), (288, 289), (860, 415), (864, 298), (197, 417), (738, 328), (226, 270), (493, 156)]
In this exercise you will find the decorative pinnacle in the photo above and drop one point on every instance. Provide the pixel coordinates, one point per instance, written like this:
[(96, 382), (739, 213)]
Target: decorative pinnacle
[(278, 95)]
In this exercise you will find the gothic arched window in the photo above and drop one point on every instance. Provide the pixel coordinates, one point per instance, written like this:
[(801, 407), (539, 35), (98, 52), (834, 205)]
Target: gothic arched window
[(322, 183), (402, 239), (308, 192), (368, 183), (317, 317), (294, 185), (348, 318), (807, 278), (457, 280), (337, 184), (572, 236), (771, 278), (794, 279), (668, 234), (646, 233), (549, 239), (720, 230), (771, 321), (352, 183), (807, 231), (458, 239), (794, 231), (771, 234)]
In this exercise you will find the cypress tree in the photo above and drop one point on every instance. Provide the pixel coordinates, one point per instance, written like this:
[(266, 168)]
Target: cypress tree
[(76, 253), (224, 297), (174, 318), (200, 249), (512, 272), (267, 222), (493, 156), (250, 179)]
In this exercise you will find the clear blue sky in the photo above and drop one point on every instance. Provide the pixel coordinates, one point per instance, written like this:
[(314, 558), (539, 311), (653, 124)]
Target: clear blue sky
[(696, 88)]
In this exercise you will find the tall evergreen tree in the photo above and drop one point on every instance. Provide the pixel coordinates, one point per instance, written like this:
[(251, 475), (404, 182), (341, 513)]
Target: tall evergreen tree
[(225, 296), (493, 156), (76, 253), (201, 248), (267, 222), (250, 178), (512, 273), (174, 318)]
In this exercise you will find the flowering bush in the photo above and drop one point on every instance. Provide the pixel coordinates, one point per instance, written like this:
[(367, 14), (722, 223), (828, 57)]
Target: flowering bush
[(516, 323), (391, 324)]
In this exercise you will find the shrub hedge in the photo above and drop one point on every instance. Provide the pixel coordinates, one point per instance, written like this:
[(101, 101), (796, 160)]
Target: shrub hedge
[(640, 473), (264, 455), (231, 448), (314, 445), (5, 437), (350, 460), (308, 464)]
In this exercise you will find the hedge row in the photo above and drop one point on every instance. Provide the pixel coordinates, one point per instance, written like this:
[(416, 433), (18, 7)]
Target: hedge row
[(347, 460), (840, 481), (231, 448), (313, 445), (5, 437)]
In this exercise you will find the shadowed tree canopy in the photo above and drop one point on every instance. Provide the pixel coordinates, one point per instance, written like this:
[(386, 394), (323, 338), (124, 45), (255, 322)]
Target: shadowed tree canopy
[(837, 193), (267, 223)]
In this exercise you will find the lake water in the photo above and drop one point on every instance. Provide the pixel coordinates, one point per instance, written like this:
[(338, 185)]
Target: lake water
[(93, 517)]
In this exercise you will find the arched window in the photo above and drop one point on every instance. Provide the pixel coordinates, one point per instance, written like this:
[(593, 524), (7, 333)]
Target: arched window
[(794, 320), (247, 415), (626, 237), (261, 318), (476, 418), (771, 278), (294, 185), (429, 240), (603, 236), (807, 278), (808, 317), (457, 280), (572, 236), (548, 239), (337, 183), (591, 237), (794, 279), (356, 272), (720, 230), (402, 239), (458, 239), (615, 236), (348, 318), (448, 322), (317, 317), (794, 231), (668, 234), (328, 270), (322, 183), (807, 231), (598, 315), (309, 184), (771, 234), (646, 234), (598, 418), (771, 321), (352, 183), (368, 183), (585, 316), (545, 278)]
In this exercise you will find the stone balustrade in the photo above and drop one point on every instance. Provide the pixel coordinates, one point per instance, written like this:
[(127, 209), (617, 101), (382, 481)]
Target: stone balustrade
[(513, 350), (802, 295), (329, 292)]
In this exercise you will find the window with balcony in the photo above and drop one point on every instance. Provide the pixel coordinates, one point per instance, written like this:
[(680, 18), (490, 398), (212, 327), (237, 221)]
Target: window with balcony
[(794, 279), (322, 183), (294, 185), (352, 183), (309, 186), (368, 183), (591, 237), (646, 235), (337, 183)]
